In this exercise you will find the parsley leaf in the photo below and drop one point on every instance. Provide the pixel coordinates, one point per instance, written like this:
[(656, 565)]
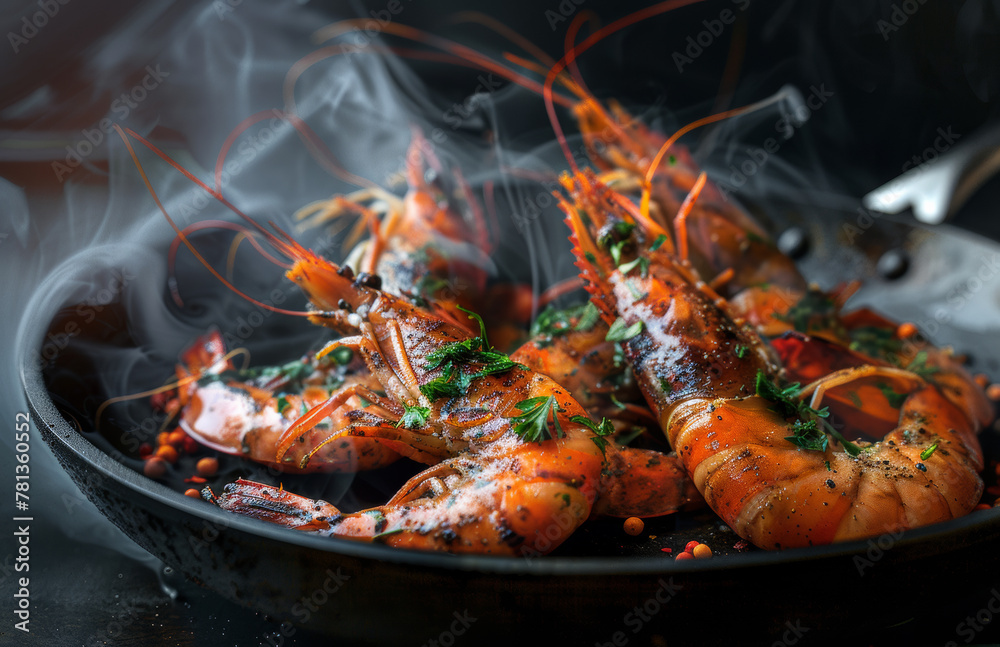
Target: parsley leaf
[(808, 435), (620, 332), (641, 262), (532, 425), (919, 365), (815, 311), (413, 417), (600, 431), (454, 382), (810, 423), (924, 455)]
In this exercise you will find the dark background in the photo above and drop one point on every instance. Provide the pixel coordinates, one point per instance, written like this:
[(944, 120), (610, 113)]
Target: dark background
[(894, 85)]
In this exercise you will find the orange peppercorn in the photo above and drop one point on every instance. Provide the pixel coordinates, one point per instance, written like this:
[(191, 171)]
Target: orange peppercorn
[(683, 555), (167, 453), (906, 330), (193, 493), (155, 467), (702, 551), (634, 525), (176, 437), (993, 392), (207, 466)]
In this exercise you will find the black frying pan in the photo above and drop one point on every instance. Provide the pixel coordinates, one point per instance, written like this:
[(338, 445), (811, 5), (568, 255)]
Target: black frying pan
[(602, 587)]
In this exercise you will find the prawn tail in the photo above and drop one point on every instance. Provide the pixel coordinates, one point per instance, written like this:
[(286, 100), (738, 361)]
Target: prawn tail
[(274, 505)]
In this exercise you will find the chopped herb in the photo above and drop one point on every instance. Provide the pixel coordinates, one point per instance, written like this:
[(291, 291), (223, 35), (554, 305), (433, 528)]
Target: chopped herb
[(343, 355), (790, 406), (815, 311), (413, 417), (875, 342), (451, 357), (741, 351), (364, 403), (552, 322), (282, 403), (636, 294), (641, 262), (827, 463), (666, 385), (808, 435), (382, 535), (896, 400), (658, 242), (453, 383), (924, 455), (919, 365), (615, 401), (618, 358), (620, 332), (600, 430), (532, 425), (588, 317)]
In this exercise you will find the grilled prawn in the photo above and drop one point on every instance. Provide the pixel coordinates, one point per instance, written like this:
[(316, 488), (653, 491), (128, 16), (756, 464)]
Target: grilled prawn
[(516, 462), (764, 455)]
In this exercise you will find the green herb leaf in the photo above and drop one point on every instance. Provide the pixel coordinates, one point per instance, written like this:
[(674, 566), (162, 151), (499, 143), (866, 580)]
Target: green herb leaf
[(896, 400), (588, 318), (809, 421), (919, 365), (620, 332), (641, 262), (815, 311), (532, 425), (808, 435), (658, 242), (741, 351), (282, 403), (600, 431), (413, 417), (924, 455)]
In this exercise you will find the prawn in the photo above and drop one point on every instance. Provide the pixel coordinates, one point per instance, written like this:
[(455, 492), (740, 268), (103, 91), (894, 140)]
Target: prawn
[(244, 413), (765, 456), (515, 467)]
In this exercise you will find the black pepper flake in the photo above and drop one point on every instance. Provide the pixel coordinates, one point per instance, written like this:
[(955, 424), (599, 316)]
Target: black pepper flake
[(830, 483), (921, 467)]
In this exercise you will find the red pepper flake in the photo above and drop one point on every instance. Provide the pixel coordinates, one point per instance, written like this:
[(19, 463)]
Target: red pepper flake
[(690, 546), (195, 479), (667, 550), (741, 545)]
